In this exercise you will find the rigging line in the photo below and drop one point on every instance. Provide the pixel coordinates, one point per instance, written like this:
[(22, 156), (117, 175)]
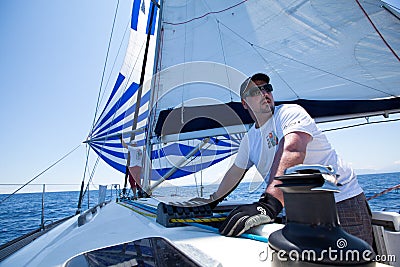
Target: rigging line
[(305, 64), (104, 67), (377, 31), (390, 11), (115, 59), (205, 15), (384, 192), (253, 46), (119, 101), (223, 54), (91, 177), (85, 169), (276, 72), (360, 124), (112, 120), (34, 178), (195, 171)]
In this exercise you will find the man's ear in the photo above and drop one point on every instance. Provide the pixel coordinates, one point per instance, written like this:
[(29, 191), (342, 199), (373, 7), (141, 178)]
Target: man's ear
[(244, 104)]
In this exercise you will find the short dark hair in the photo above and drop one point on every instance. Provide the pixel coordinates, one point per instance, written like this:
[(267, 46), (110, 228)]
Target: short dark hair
[(255, 77)]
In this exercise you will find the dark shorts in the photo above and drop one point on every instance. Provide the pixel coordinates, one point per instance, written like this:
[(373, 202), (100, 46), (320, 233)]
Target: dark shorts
[(355, 217)]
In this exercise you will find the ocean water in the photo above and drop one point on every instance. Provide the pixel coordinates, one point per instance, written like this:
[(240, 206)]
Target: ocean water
[(21, 213)]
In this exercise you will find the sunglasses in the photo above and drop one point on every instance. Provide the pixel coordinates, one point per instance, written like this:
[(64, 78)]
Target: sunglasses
[(257, 90)]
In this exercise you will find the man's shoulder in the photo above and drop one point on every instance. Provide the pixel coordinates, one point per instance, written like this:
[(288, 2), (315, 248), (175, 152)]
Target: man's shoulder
[(288, 109), (288, 106)]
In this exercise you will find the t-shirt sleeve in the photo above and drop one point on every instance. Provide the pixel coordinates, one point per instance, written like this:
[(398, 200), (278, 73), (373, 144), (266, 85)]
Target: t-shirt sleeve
[(294, 119), (242, 158)]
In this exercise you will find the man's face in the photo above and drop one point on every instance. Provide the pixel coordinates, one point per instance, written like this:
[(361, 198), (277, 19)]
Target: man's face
[(258, 101)]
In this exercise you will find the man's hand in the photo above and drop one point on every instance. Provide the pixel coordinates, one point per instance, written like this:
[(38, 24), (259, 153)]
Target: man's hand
[(245, 217)]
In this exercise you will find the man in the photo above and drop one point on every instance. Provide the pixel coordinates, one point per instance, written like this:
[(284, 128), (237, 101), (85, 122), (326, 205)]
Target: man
[(135, 155), (282, 137)]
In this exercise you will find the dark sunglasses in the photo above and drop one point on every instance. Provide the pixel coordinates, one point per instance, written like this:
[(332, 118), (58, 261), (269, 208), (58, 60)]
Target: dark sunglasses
[(257, 90)]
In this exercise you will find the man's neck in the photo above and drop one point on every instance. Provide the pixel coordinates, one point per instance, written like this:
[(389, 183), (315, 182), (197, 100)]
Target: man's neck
[(262, 119)]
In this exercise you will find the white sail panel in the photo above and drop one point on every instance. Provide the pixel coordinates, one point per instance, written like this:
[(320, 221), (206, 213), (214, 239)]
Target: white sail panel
[(319, 50), (314, 54)]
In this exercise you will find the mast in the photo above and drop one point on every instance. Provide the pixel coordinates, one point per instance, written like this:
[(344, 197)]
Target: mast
[(148, 144), (139, 93)]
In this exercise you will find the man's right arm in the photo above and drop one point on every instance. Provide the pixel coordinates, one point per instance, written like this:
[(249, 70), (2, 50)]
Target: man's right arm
[(123, 142)]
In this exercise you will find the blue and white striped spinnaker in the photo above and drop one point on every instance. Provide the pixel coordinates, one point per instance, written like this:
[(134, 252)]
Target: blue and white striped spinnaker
[(118, 114)]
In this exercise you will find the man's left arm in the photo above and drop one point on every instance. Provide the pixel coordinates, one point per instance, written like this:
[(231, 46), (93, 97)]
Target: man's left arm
[(291, 151)]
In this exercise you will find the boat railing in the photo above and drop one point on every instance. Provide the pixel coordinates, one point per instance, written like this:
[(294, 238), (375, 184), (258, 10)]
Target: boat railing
[(33, 197), (14, 245), (90, 213)]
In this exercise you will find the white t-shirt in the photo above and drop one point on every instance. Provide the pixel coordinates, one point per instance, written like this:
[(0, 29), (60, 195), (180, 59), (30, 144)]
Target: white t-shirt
[(259, 145), (136, 154)]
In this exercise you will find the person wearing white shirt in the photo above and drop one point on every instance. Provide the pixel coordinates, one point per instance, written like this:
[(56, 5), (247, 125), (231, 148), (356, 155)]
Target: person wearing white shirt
[(281, 137)]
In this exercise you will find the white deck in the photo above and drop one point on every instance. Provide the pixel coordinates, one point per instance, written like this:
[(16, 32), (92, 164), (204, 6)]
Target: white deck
[(115, 224)]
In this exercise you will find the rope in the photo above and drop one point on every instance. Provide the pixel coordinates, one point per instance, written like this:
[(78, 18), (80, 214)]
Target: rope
[(384, 192), (34, 178), (215, 230), (97, 104), (139, 212), (104, 67), (199, 220), (204, 15), (193, 221), (360, 124)]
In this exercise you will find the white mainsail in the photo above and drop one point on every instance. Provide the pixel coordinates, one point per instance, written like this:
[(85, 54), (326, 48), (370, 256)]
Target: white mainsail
[(338, 59)]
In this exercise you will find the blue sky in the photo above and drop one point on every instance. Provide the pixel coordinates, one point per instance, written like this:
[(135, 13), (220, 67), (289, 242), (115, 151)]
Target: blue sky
[(52, 55)]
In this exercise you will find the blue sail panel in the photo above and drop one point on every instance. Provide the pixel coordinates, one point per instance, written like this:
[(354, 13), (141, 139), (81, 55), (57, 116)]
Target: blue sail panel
[(187, 170), (177, 149), (121, 167), (135, 14), (127, 96), (110, 127), (153, 21)]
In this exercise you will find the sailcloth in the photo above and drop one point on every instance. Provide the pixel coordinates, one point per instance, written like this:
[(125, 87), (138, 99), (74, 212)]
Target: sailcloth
[(339, 59), (119, 112), (118, 116)]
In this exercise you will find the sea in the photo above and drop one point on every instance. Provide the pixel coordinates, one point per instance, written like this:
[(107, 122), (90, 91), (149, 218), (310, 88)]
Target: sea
[(22, 213)]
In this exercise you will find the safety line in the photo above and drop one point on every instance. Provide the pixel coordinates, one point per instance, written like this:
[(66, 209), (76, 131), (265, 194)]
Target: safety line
[(384, 192), (357, 125), (48, 168)]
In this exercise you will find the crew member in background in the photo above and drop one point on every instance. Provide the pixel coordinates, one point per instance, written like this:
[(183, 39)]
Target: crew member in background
[(135, 156)]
